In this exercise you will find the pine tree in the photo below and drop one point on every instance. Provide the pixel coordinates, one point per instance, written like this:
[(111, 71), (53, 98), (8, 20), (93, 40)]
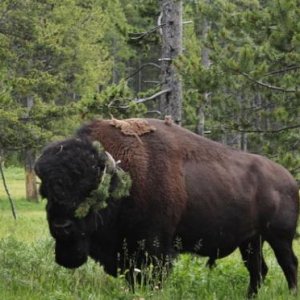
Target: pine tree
[(253, 78), (50, 59)]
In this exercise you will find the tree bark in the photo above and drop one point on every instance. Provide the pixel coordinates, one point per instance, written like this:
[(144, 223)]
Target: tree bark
[(201, 120), (29, 159), (171, 30), (202, 27), (31, 186), (242, 136)]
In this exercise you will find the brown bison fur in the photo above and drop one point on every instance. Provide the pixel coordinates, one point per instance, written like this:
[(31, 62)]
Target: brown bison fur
[(188, 194), (134, 127)]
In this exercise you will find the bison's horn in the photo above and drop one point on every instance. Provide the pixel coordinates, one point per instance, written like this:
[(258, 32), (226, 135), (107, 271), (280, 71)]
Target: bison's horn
[(111, 164)]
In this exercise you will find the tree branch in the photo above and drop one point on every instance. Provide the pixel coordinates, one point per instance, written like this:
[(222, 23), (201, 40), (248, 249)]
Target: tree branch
[(159, 22), (153, 112), (143, 34), (142, 67), (289, 68), (272, 87), (141, 100), (266, 131)]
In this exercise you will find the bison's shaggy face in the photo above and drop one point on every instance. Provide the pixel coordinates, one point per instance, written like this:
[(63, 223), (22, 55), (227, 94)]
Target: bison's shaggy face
[(69, 172)]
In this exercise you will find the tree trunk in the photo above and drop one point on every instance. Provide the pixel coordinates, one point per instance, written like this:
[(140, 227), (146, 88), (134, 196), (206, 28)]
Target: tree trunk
[(29, 159), (202, 27), (242, 136), (31, 188), (201, 120), (171, 29), (244, 141)]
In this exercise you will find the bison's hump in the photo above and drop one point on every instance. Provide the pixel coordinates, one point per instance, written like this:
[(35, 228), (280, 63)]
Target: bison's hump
[(135, 127)]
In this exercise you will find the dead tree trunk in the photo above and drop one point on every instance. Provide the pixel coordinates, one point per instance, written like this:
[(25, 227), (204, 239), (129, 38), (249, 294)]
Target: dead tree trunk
[(202, 27), (31, 189), (171, 31), (29, 158)]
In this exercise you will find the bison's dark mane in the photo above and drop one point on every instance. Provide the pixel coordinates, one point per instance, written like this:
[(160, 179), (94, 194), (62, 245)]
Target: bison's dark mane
[(70, 157)]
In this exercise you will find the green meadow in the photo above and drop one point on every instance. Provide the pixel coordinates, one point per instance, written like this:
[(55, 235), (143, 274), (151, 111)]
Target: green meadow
[(28, 270)]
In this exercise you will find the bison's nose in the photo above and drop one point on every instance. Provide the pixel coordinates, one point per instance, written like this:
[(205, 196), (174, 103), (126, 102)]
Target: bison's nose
[(62, 228), (66, 224)]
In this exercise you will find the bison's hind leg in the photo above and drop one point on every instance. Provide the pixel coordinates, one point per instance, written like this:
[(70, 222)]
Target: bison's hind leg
[(282, 247), (252, 255), (211, 263)]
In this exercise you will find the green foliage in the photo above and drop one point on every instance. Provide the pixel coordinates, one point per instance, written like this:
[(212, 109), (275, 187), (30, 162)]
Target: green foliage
[(253, 76), (119, 188), (115, 100), (97, 199), (69, 60), (51, 57), (122, 184)]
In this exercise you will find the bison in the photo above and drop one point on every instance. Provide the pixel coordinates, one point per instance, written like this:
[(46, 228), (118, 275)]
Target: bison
[(187, 194)]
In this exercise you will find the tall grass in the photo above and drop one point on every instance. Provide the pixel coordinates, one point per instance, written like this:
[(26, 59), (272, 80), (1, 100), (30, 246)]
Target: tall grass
[(28, 270)]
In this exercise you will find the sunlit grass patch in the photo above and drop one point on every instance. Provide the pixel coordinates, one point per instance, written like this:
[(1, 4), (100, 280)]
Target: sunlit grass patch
[(28, 269), (29, 272), (28, 227), (31, 220), (15, 179)]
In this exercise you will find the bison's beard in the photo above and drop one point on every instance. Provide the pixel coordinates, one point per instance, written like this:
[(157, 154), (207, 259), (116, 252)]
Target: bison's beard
[(71, 255)]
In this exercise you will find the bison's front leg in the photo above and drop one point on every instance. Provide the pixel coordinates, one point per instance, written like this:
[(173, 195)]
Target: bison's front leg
[(252, 255)]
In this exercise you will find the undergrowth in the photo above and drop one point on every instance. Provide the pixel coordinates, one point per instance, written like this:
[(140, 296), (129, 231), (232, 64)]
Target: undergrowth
[(28, 269)]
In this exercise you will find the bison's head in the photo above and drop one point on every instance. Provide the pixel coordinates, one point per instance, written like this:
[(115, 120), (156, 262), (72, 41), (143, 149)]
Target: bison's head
[(70, 171)]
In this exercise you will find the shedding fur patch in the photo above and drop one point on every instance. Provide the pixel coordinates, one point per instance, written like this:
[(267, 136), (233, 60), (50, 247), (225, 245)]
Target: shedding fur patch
[(168, 120), (134, 127)]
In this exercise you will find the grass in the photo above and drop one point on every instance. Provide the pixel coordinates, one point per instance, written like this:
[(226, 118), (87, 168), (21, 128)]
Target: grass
[(15, 181), (28, 270)]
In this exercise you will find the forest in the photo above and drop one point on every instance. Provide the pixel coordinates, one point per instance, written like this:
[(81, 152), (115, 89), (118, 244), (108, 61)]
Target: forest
[(228, 70)]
